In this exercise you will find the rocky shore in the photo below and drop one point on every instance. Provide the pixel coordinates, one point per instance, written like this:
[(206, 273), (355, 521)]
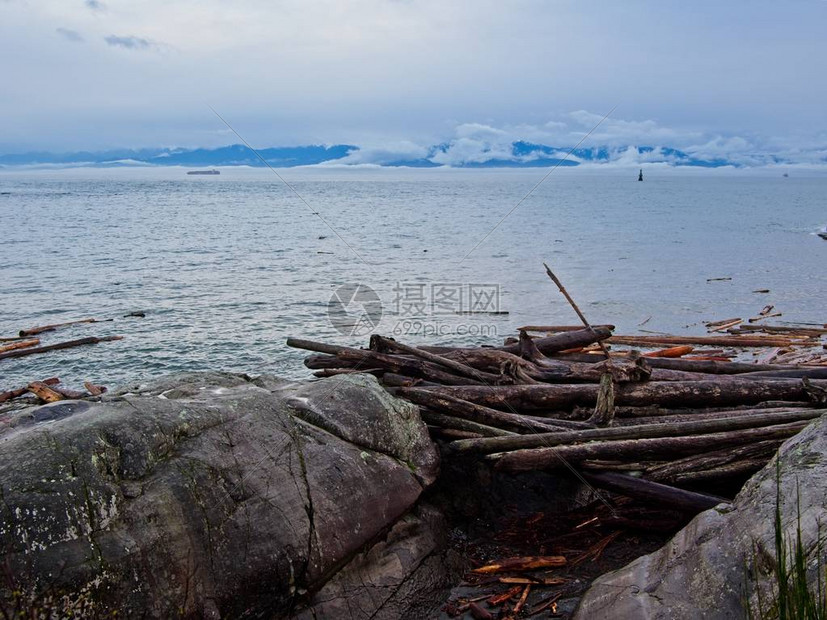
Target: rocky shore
[(221, 496)]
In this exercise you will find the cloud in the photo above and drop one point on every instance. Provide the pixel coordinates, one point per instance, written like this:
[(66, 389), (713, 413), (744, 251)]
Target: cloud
[(131, 43), (69, 34), (95, 5)]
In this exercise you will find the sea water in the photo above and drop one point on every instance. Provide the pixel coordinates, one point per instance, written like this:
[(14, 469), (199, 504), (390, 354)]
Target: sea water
[(226, 267)]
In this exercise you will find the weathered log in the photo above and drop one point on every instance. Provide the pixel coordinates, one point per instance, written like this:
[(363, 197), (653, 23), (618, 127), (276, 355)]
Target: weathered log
[(380, 344), (741, 468), (671, 352), (687, 365), (94, 390), (44, 392), (19, 344), (813, 332), (70, 394), (461, 424), (363, 358), (666, 393), (679, 429), (723, 341), (50, 328), (709, 460), (520, 564), (640, 449), (10, 394), (450, 434), (695, 415), (335, 372), (61, 345), (552, 329), (406, 366), (799, 373), (484, 415), (688, 501), (547, 345)]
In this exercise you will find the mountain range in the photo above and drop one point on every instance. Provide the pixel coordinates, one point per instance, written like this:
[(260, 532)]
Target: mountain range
[(522, 154)]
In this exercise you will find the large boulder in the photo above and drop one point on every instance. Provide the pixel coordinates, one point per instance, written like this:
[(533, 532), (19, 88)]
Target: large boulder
[(204, 494), (725, 554)]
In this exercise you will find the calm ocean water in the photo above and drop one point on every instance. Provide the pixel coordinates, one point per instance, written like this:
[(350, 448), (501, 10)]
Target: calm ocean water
[(227, 267)]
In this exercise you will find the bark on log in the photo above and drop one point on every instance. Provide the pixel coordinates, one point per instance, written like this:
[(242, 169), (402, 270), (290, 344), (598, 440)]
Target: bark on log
[(708, 460), (654, 492), (741, 468), (19, 344), (547, 345), (800, 373), (10, 394), (695, 415), (671, 352), (50, 328), (674, 393), (700, 366), (484, 415), (639, 449), (61, 345), (645, 431)]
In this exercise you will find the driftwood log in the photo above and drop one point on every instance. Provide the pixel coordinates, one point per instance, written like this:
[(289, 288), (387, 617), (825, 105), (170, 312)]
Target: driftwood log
[(55, 347)]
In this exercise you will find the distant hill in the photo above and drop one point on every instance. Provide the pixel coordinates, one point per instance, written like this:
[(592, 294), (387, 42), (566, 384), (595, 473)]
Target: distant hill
[(522, 155)]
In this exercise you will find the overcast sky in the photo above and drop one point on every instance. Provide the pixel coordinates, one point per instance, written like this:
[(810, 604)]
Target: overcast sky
[(401, 74)]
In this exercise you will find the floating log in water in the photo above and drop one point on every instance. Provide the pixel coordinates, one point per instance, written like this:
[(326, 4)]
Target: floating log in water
[(645, 449), (50, 328), (654, 492), (10, 394), (61, 345), (19, 344), (665, 393), (641, 431)]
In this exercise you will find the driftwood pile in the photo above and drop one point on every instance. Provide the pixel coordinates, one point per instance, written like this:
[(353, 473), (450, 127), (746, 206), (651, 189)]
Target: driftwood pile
[(49, 390), (652, 425)]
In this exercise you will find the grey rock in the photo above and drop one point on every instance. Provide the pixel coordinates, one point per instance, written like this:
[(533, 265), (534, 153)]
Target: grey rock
[(708, 569), (408, 574), (204, 494)]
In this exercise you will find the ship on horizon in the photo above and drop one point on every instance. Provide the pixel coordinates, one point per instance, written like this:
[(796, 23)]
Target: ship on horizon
[(210, 171)]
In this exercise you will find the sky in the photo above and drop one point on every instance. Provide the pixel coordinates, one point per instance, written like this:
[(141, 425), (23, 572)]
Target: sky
[(395, 76)]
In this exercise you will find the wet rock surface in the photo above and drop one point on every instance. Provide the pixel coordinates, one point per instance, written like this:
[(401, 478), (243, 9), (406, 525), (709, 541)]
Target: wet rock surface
[(216, 495), (709, 568)]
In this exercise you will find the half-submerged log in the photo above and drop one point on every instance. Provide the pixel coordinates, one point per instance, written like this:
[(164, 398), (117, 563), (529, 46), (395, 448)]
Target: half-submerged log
[(640, 449), (50, 328), (654, 492), (61, 345), (19, 344)]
